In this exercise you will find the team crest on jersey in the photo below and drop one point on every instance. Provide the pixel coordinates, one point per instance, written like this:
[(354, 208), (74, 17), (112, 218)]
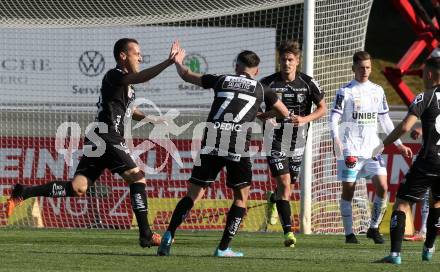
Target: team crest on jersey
[(280, 96), (300, 98), (357, 104), (375, 100), (418, 99)]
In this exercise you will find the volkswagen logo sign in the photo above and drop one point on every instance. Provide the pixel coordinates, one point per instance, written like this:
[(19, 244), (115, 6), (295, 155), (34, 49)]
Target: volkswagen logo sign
[(91, 63)]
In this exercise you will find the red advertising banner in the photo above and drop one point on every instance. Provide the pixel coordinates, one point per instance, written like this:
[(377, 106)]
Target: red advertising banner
[(34, 160)]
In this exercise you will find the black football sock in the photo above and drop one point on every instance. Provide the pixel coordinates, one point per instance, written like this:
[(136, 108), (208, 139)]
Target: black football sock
[(233, 220), (397, 230), (50, 189), (432, 226), (139, 204), (179, 214), (283, 207)]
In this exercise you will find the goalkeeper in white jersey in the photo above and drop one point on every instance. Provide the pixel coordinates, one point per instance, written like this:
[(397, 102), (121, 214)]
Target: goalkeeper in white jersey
[(353, 123)]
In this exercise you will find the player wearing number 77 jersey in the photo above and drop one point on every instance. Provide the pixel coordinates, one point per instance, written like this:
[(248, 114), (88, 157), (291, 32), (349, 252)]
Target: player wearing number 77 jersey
[(225, 143)]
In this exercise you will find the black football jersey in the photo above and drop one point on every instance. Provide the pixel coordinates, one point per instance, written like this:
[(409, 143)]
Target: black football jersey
[(298, 96), (114, 99), (426, 106), (237, 99)]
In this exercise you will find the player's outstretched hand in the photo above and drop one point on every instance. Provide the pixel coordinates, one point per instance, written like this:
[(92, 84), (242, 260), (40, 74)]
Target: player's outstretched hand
[(178, 59), (406, 151), (416, 133), (175, 47)]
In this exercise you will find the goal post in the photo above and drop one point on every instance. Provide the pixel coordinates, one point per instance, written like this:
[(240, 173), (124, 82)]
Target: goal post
[(52, 60), (306, 181)]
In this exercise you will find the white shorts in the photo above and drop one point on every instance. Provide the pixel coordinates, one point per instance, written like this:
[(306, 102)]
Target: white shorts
[(364, 168)]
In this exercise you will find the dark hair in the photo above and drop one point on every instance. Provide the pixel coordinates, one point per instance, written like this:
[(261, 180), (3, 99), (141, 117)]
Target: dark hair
[(122, 46), (289, 46), (248, 58), (360, 56), (433, 63)]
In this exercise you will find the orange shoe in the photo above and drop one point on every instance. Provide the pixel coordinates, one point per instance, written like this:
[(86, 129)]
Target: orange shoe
[(417, 237), (156, 238), (15, 200), (153, 241)]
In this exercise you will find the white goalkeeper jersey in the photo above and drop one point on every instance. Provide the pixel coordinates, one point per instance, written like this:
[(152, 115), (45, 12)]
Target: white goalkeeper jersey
[(359, 105)]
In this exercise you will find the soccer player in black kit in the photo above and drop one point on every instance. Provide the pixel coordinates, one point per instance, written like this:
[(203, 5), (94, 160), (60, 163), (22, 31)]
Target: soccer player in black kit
[(425, 171), (225, 143), (116, 95), (298, 92)]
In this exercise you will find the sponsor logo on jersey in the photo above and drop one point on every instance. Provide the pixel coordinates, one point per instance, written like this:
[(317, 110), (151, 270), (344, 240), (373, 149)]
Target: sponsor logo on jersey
[(295, 168), (384, 103), (364, 118), (239, 84), (91, 63), (364, 115), (277, 154), (227, 126), (214, 151), (338, 102), (280, 90), (298, 89), (418, 99)]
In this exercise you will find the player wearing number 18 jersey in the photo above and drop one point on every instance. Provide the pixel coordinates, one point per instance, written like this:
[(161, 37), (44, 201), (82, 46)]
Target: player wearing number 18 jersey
[(298, 92), (425, 171), (225, 143)]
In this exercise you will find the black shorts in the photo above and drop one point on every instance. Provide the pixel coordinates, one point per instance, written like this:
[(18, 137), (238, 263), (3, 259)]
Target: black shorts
[(116, 158), (415, 184), (239, 173), (280, 164)]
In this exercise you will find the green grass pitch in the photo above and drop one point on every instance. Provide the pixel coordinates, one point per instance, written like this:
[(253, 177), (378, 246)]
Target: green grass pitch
[(115, 250)]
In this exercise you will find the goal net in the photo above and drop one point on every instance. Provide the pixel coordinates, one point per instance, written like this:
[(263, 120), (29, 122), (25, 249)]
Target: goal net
[(52, 60)]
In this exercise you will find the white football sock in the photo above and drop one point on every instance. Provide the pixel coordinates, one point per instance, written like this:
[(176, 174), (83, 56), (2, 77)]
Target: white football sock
[(347, 216)]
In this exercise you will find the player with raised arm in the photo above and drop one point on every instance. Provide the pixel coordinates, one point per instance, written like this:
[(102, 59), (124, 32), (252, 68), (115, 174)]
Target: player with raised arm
[(358, 105), (424, 173), (116, 95), (298, 92), (225, 143)]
